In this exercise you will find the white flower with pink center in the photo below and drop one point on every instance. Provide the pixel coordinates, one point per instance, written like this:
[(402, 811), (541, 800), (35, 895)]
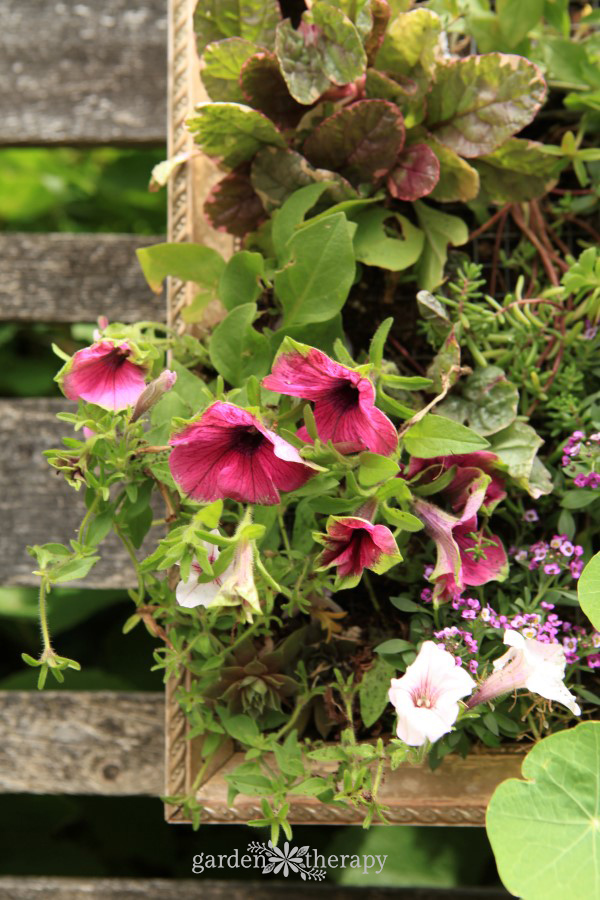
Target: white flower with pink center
[(426, 697), (537, 666)]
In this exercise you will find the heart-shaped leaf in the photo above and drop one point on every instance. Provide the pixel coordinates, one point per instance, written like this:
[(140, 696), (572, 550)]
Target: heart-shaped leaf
[(489, 401), (478, 102), (220, 68), (415, 174), (545, 831), (253, 20), (234, 206), (325, 49), (517, 171), (361, 141), (232, 132)]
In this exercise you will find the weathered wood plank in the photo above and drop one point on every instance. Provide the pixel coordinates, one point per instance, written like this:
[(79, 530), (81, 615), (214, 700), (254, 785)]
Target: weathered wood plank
[(30, 888), (48, 888), (80, 742), (75, 278), (78, 72), (36, 504)]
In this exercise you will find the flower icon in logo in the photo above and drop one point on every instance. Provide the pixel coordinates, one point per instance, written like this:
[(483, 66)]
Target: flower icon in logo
[(286, 860)]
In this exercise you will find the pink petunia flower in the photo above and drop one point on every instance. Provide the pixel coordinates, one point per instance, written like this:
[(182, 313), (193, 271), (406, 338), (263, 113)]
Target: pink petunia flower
[(104, 374), (537, 666), (228, 452), (344, 400), (193, 592), (470, 467), (353, 544), (426, 697), (466, 556)]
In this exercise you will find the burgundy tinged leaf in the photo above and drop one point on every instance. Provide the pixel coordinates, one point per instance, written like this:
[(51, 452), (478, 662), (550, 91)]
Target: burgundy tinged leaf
[(415, 174)]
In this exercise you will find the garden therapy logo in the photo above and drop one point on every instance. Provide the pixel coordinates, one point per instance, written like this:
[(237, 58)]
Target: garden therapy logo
[(309, 864)]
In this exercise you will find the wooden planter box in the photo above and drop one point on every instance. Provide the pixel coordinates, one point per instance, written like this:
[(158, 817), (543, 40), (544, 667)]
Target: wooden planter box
[(457, 793)]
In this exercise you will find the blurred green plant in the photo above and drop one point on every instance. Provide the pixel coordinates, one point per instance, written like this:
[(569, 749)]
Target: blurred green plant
[(69, 189)]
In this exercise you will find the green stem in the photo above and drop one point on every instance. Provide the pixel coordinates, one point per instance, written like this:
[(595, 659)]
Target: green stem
[(85, 521), (44, 617), (371, 591), (284, 534), (131, 553), (293, 718)]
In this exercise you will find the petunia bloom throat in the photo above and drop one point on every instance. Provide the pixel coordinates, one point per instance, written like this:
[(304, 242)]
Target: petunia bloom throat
[(426, 697), (105, 374), (344, 400), (228, 453)]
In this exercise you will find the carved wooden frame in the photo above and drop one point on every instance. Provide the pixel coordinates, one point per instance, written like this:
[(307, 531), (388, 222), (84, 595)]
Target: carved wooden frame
[(457, 793)]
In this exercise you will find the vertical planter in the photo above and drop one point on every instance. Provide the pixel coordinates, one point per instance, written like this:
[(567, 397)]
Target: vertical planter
[(457, 793)]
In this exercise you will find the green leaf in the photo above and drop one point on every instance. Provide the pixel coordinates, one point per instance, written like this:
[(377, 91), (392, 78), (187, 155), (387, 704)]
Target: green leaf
[(375, 246), (74, 569), (254, 20), (412, 42), (579, 498), (517, 171), (489, 402), (232, 132), (189, 262), (312, 58), (588, 591), (441, 230), (361, 141), (221, 64), (438, 436), (378, 342), (314, 286), (373, 691), (277, 173), (545, 831), (291, 214), (399, 517), (240, 282), (236, 350), (393, 646), (516, 19), (311, 786), (375, 468), (264, 88), (478, 102), (516, 446), (458, 180)]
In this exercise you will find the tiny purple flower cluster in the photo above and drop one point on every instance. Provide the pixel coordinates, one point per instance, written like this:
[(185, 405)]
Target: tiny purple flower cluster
[(556, 557), (452, 638), (581, 457)]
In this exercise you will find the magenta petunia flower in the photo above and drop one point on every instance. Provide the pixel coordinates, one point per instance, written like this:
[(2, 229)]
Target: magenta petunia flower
[(229, 453), (466, 556), (344, 400), (426, 697), (104, 374), (469, 469), (353, 544)]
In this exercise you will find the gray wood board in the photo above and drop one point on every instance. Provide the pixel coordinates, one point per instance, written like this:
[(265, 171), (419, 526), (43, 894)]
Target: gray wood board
[(82, 742), (48, 888), (75, 278), (76, 72), (37, 506)]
